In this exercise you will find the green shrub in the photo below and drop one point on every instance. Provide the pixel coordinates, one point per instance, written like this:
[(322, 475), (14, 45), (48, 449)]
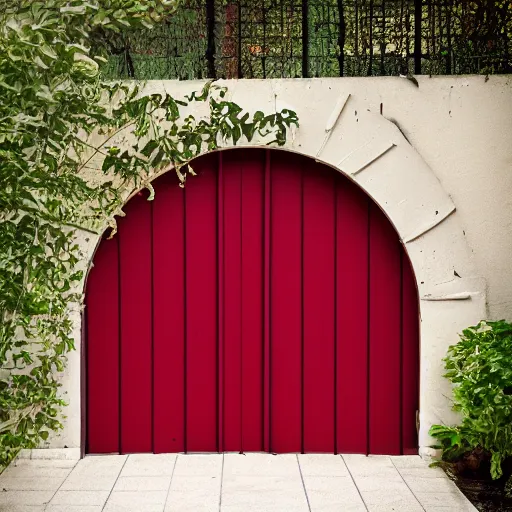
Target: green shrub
[(480, 367)]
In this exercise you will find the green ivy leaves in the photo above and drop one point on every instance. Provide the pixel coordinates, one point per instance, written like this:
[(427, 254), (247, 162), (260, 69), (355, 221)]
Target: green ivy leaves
[(480, 367), (178, 140), (54, 104)]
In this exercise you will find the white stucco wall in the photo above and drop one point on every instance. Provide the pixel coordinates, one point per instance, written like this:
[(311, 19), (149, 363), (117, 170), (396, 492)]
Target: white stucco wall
[(444, 179)]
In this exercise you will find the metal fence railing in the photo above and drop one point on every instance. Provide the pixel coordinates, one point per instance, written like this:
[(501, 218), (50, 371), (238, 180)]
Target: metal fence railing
[(319, 38)]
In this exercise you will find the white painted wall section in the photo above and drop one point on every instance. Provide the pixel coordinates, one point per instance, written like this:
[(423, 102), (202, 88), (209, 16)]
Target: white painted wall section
[(437, 159)]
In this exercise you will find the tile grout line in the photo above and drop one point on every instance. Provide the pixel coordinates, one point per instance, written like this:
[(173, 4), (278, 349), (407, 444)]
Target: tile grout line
[(170, 483), (354, 482), (221, 482), (61, 484), (303, 483), (117, 478), (403, 479)]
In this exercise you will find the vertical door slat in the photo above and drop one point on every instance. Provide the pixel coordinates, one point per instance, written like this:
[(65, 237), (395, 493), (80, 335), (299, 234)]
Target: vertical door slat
[(410, 358), (219, 158), (102, 308), (385, 336), (231, 267), (267, 383), (136, 330), (351, 318), (318, 288), (201, 305), (286, 302), (168, 315), (252, 218)]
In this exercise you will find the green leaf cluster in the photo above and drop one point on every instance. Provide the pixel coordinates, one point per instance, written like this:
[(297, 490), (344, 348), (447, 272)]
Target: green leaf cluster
[(58, 119), (480, 367)]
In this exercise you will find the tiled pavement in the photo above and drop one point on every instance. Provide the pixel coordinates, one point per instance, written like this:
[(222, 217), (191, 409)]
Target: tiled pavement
[(229, 483)]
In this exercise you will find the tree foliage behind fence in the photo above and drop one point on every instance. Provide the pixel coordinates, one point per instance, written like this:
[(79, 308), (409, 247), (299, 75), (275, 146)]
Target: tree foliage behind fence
[(320, 38)]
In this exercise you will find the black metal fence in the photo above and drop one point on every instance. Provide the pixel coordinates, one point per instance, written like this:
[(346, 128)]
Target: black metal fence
[(320, 38)]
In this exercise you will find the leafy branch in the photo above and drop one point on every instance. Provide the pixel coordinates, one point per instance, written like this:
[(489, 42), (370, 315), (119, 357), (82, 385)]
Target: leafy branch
[(59, 119)]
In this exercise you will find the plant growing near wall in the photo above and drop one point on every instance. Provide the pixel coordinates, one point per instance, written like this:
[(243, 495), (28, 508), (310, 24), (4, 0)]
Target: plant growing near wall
[(480, 367), (57, 119)]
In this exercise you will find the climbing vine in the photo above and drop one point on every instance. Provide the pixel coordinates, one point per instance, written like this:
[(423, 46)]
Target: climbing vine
[(72, 147)]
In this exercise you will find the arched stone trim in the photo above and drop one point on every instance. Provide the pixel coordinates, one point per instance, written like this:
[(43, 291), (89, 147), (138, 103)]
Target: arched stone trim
[(338, 129)]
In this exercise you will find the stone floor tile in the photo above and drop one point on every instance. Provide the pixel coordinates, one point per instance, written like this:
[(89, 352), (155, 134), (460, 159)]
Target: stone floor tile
[(30, 470), (194, 493), (408, 461), (71, 508), (55, 453), (345, 483), (127, 507), (326, 494), (101, 464), (199, 465), (89, 482), (276, 506), (362, 465), (249, 483), (136, 501), (20, 498), (149, 465), (190, 483), (424, 472), (466, 507), (421, 484), (376, 483), (343, 507), (246, 483), (22, 508), (260, 464), (259, 502), (322, 465), (142, 483), (44, 463), (103, 459), (80, 498), (95, 473), (263, 493), (24, 454), (386, 496), (32, 483), (398, 506), (455, 500)]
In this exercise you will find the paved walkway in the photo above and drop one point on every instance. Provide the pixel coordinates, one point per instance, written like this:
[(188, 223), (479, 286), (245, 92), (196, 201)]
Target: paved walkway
[(229, 483)]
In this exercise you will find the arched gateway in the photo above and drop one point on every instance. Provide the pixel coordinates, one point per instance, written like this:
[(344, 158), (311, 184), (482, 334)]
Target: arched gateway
[(267, 306)]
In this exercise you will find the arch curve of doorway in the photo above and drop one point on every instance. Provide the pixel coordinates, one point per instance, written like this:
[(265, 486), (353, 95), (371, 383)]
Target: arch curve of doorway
[(268, 306), (374, 153)]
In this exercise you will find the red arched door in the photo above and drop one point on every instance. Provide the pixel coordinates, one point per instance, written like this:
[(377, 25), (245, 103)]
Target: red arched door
[(268, 306)]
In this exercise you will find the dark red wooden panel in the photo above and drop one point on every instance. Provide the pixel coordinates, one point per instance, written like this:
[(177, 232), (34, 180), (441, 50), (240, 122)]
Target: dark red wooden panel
[(351, 318), (220, 301), (318, 297), (385, 336), (267, 203), (261, 308), (252, 301), (201, 307), (136, 328), (286, 305), (102, 310), (410, 358), (232, 315), (169, 315)]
